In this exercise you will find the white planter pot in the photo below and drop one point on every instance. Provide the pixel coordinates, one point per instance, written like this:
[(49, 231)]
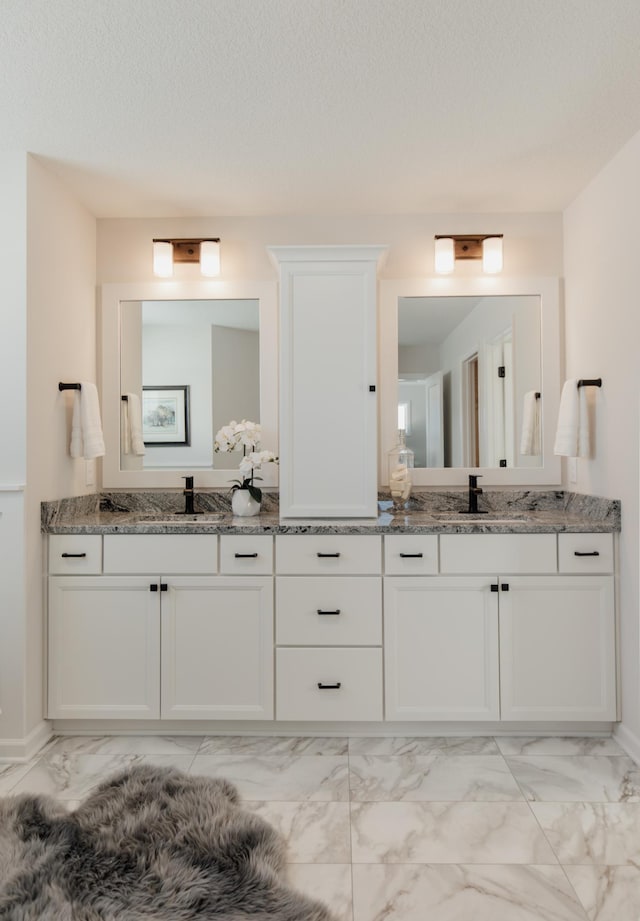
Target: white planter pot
[(243, 504)]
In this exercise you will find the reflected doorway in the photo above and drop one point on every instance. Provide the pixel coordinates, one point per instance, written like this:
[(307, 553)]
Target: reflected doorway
[(470, 402)]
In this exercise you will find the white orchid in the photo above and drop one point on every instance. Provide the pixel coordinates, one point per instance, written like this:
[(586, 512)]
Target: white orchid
[(254, 461), (246, 434), (235, 434)]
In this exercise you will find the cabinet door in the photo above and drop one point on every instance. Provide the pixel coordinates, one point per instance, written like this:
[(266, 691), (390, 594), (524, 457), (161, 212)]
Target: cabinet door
[(217, 648), (104, 648), (328, 441), (441, 649), (557, 648)]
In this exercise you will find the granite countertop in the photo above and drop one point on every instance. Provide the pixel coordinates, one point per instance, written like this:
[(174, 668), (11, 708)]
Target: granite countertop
[(508, 512)]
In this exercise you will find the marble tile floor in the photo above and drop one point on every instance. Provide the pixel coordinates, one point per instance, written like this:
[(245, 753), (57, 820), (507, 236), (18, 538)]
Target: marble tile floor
[(411, 829)]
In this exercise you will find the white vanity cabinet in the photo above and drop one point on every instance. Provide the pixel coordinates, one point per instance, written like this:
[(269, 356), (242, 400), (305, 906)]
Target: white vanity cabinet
[(557, 637), (328, 398), (217, 648), (441, 649), (557, 648), (522, 639), (353, 627), (164, 643), (328, 627), (104, 648)]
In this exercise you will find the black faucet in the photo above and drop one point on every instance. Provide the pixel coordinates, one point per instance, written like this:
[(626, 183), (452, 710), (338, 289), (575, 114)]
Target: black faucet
[(188, 497), (474, 492)]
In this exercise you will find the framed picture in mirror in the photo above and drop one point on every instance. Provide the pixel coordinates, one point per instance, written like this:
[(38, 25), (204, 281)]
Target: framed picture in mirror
[(165, 415)]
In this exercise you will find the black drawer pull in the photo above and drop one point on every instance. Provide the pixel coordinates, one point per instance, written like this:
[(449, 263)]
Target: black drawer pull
[(591, 553), (245, 556), (323, 555), (66, 556), (410, 556), (164, 587), (322, 613), (153, 587), (494, 588), (505, 586), (329, 687)]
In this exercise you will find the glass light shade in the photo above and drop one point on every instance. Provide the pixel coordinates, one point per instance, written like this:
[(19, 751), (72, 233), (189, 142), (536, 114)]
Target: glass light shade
[(492, 255), (162, 259), (445, 255), (209, 258)]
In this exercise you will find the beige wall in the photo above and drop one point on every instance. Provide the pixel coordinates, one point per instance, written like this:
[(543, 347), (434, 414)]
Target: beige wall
[(61, 334), (603, 340), (13, 317), (61, 328), (532, 245), (13, 325), (47, 243)]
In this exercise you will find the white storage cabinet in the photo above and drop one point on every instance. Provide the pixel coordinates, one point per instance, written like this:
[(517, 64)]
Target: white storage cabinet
[(328, 399), (520, 640), (328, 627), (112, 637)]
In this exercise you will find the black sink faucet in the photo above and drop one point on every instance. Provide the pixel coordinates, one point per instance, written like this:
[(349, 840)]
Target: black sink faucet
[(188, 496), (474, 492)]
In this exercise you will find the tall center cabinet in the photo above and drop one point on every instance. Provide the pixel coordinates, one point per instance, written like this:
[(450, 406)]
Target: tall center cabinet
[(328, 399)]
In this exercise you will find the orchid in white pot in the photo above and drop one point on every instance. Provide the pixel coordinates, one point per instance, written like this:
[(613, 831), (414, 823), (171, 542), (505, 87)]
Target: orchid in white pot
[(245, 434)]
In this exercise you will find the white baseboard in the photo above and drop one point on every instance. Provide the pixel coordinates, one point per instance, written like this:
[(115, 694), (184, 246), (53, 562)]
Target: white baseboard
[(628, 740), (24, 749), (282, 728)]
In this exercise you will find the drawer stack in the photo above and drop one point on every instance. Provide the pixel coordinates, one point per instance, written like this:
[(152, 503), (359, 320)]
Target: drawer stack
[(329, 627)]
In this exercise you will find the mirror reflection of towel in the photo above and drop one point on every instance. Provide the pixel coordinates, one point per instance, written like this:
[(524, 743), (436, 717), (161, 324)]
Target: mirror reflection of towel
[(530, 440), (86, 427), (572, 435), (131, 439)]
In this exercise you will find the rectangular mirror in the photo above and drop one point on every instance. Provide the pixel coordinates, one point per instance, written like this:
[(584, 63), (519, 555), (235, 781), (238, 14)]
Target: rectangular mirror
[(195, 356), (195, 365), (469, 379), (466, 366)]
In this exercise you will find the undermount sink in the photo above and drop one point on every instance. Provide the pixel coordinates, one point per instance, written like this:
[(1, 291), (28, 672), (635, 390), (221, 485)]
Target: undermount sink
[(472, 518), (178, 520)]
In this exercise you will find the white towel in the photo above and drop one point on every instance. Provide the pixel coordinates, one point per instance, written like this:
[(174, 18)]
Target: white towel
[(131, 439), (86, 428), (572, 434), (530, 442)]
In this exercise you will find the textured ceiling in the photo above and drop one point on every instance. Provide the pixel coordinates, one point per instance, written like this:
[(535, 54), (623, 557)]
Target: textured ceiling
[(253, 107)]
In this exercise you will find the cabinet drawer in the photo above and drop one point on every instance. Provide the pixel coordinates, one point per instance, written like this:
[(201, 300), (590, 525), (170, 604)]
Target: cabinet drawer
[(79, 554), (328, 611), (161, 553), (411, 554), (302, 676), (498, 553), (329, 554), (247, 554), (585, 552)]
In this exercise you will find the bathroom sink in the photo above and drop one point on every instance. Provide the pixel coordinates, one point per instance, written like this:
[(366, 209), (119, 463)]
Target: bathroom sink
[(179, 521), (464, 518)]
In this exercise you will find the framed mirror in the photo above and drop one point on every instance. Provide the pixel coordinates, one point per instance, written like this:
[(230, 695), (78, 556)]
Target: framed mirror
[(195, 356), (470, 370)]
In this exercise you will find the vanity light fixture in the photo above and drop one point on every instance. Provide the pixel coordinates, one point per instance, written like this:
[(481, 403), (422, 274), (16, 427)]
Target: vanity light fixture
[(487, 247), (205, 251)]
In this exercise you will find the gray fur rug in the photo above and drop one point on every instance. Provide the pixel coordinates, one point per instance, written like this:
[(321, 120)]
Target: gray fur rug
[(150, 843)]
